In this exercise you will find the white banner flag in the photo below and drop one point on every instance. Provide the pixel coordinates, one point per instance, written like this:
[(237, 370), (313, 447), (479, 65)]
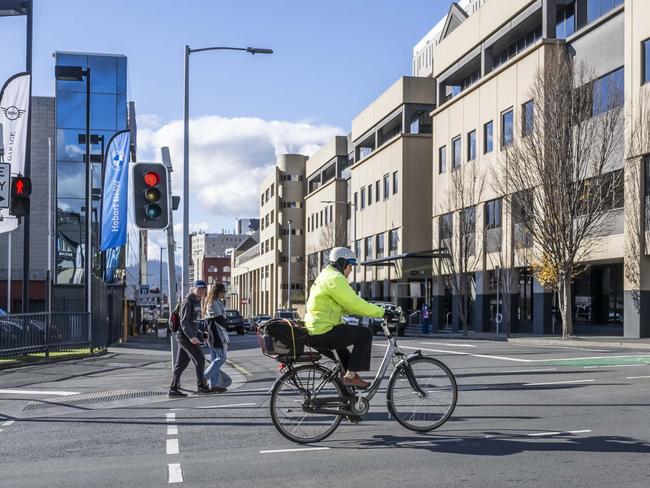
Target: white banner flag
[(14, 117)]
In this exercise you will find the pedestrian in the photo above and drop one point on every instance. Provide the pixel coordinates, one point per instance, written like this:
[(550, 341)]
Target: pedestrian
[(214, 312), (188, 341)]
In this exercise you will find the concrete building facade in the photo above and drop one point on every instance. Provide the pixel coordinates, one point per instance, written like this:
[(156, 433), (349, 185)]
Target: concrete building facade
[(264, 275), (206, 246), (484, 65)]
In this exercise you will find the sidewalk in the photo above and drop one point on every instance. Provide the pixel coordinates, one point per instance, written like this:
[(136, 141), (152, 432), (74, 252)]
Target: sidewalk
[(594, 341)]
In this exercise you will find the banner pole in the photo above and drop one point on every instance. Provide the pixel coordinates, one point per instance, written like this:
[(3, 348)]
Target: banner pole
[(9, 275)]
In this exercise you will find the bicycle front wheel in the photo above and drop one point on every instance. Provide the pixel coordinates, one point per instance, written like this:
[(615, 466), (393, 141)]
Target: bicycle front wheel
[(298, 400), (424, 400)]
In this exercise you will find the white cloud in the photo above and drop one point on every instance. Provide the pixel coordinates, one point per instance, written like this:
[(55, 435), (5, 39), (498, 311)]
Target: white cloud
[(229, 157)]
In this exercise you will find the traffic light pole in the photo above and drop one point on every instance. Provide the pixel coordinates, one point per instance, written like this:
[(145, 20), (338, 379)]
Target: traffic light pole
[(28, 159), (171, 249), (89, 228)]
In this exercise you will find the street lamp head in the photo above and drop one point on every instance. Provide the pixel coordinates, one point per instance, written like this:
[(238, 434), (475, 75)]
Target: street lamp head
[(13, 7), (69, 73), (258, 50)]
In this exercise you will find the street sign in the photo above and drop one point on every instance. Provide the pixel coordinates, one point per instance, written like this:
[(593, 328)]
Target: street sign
[(145, 298), (5, 183)]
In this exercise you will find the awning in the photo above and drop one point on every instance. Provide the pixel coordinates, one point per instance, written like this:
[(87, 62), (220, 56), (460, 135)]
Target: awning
[(390, 260)]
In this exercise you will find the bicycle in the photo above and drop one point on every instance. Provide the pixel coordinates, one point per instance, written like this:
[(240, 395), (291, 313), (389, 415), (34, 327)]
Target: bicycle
[(309, 401)]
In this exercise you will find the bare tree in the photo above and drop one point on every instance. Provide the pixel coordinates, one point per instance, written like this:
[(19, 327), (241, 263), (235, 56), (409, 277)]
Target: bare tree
[(568, 159), (464, 253), (331, 235)]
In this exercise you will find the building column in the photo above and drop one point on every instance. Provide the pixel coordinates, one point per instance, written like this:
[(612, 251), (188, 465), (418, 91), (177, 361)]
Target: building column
[(636, 266), (481, 306), (437, 303), (549, 18), (542, 309)]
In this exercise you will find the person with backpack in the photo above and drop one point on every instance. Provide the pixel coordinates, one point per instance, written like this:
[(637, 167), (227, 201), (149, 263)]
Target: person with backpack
[(187, 336), (214, 312)]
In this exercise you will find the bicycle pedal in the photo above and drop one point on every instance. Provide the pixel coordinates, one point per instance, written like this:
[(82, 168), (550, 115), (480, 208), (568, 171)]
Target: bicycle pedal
[(354, 419)]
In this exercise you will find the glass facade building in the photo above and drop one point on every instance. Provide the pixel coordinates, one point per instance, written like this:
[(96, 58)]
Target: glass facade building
[(108, 115)]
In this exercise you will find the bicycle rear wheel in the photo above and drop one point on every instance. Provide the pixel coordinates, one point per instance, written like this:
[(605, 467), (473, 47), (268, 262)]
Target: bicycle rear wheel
[(428, 403), (297, 394)]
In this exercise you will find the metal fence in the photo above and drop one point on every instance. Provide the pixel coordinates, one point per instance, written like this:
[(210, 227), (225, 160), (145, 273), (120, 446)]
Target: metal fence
[(43, 332)]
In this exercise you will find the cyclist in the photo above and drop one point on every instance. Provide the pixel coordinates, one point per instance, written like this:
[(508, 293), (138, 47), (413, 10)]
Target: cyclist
[(331, 297)]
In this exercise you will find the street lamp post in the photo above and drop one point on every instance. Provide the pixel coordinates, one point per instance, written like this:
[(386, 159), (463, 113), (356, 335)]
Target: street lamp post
[(354, 231), (186, 151), (289, 270), (77, 73)]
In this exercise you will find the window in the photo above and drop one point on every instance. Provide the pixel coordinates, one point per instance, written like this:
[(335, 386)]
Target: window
[(645, 48), (368, 254), (357, 249), (363, 198), (331, 213), (598, 8), (455, 153), (380, 245), (356, 201), (442, 159), (527, 118), (488, 137), (321, 218), (395, 182), (369, 195), (471, 146), (393, 241), (608, 92), (507, 120), (386, 186), (377, 190), (493, 214), (566, 21), (446, 223)]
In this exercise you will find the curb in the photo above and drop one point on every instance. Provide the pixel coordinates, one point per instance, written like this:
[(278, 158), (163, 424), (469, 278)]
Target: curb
[(40, 362)]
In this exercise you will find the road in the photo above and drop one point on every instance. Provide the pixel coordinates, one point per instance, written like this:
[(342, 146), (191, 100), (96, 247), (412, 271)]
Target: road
[(527, 415)]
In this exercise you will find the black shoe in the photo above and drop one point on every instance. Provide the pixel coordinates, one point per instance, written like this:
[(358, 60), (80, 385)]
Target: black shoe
[(175, 393), (204, 389)]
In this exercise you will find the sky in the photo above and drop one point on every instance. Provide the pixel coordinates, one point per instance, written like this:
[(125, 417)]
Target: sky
[(331, 60)]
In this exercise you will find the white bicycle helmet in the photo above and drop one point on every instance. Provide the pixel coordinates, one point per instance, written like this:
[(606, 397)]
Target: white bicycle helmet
[(342, 256)]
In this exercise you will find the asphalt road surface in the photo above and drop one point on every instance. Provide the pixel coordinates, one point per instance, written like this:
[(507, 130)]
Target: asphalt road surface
[(527, 416)]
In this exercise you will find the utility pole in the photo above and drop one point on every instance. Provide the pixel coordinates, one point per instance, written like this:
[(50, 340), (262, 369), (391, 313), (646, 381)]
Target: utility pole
[(289, 270)]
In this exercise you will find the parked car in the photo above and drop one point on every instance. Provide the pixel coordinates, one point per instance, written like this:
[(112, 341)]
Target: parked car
[(285, 313), (234, 322), (396, 320), (258, 320)]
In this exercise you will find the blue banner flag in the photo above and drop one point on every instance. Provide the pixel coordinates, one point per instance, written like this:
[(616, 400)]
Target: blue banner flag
[(115, 191)]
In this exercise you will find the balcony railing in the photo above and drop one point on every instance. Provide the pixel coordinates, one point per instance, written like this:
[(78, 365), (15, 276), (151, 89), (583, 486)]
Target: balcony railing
[(252, 253)]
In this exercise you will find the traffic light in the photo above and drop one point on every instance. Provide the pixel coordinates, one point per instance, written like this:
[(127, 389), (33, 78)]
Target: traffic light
[(21, 189), (150, 196)]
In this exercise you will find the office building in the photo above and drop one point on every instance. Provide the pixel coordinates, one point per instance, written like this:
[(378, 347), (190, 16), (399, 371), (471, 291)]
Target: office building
[(248, 226), (270, 274), (210, 245)]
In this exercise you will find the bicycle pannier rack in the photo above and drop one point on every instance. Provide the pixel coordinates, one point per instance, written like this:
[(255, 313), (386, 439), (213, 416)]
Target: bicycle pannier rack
[(283, 340)]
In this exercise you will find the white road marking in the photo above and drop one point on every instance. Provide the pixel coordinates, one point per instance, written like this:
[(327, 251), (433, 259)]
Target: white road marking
[(430, 441), (8, 423), (559, 382), (448, 344), (628, 378), (171, 417), (486, 356), (296, 450), (9, 391), (252, 390), (635, 356), (175, 473), (172, 430), (548, 346), (543, 434), (614, 366), (172, 446), (526, 371), (228, 406)]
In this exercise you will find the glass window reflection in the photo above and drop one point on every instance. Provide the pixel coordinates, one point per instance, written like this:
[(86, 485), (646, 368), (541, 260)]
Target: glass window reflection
[(69, 180), (103, 74), (102, 111), (70, 110)]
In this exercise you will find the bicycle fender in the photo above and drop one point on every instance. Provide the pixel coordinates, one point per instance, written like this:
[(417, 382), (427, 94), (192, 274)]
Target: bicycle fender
[(404, 364)]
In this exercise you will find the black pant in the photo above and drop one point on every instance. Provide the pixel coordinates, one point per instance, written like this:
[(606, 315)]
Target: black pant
[(187, 351), (341, 336)]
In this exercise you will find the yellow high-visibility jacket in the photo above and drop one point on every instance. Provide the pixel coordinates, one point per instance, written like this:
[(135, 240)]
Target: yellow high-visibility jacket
[(330, 297)]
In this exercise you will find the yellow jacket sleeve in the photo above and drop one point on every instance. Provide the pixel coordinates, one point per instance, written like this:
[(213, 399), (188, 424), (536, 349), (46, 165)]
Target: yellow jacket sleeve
[(343, 294)]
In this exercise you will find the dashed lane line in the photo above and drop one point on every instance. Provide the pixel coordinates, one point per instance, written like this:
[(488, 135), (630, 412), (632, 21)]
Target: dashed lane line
[(299, 449), (459, 353), (172, 446), (542, 434), (430, 441), (171, 417), (8, 423), (174, 473), (172, 430), (636, 377), (448, 344), (227, 406), (567, 382)]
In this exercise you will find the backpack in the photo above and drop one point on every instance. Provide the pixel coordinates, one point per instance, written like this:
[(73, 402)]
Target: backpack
[(175, 319), (281, 337)]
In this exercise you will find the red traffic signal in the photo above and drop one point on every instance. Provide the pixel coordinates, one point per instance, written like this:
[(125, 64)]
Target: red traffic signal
[(21, 189), (151, 178), (150, 196)]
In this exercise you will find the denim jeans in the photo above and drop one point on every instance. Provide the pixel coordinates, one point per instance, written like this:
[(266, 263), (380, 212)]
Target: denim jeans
[(213, 372)]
